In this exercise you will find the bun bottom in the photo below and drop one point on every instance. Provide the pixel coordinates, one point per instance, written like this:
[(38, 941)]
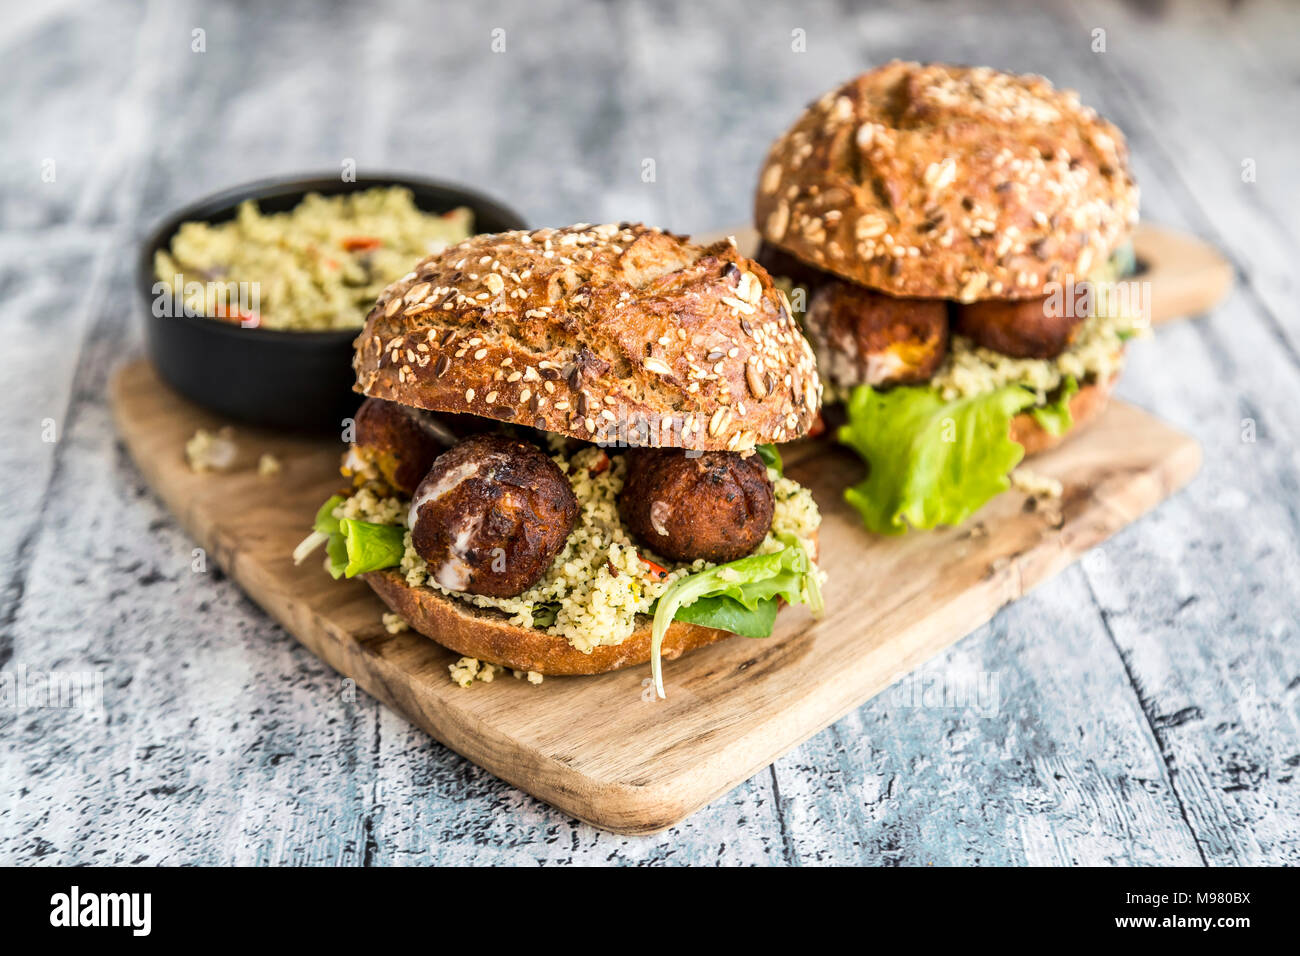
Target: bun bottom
[(487, 635), (1085, 405)]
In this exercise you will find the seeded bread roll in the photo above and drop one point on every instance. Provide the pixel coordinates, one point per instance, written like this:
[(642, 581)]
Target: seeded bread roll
[(597, 332), (948, 182)]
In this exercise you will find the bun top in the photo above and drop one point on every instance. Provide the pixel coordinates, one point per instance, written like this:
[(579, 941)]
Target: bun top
[(603, 333), (948, 182)]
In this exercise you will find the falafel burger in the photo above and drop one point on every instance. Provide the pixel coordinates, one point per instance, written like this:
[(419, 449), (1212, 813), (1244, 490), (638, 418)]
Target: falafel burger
[(566, 461), (950, 238)]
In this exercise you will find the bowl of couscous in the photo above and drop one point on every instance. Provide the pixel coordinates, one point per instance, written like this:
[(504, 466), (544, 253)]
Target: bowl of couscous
[(254, 295)]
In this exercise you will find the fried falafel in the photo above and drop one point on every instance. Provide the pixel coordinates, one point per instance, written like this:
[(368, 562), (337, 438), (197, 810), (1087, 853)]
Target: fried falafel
[(683, 505), (1021, 328), (491, 515), (864, 337)]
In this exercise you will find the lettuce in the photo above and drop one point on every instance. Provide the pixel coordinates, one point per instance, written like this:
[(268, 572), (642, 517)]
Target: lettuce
[(1122, 264), (930, 461), (1054, 417), (371, 547), (544, 614), (325, 521), (353, 547), (336, 549), (771, 457), (728, 614), (739, 596)]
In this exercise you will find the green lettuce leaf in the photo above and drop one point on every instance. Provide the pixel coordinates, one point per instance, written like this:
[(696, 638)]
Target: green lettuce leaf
[(336, 548), (771, 457), (325, 521), (353, 547), (324, 528), (544, 615), (728, 614), (930, 461), (1054, 417), (370, 547), (748, 583), (1121, 264)]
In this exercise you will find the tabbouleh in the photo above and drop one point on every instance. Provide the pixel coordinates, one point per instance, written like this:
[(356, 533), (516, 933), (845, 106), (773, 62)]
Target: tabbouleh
[(318, 267)]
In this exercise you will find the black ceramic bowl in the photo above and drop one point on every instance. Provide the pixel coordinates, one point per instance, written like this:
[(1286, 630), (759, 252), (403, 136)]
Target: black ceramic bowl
[(279, 379)]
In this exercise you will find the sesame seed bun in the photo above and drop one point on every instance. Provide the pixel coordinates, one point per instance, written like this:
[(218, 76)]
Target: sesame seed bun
[(488, 635), (615, 332), (948, 182)]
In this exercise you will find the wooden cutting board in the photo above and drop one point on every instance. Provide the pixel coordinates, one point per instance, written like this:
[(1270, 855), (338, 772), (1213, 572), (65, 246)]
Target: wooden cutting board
[(1183, 275), (603, 748)]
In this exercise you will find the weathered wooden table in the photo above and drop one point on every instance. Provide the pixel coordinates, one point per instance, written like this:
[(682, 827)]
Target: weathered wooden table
[(1140, 708)]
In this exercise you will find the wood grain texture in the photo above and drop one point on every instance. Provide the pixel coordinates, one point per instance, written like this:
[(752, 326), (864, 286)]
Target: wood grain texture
[(1148, 705), (732, 708)]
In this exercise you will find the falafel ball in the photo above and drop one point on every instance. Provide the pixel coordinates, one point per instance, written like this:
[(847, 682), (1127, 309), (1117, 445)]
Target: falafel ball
[(491, 515), (1022, 328), (863, 337), (399, 441), (715, 505)]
